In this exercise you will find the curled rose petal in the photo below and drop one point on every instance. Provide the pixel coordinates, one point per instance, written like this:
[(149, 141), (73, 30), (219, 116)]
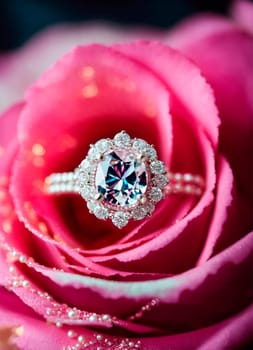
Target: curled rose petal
[(231, 80), (242, 12), (52, 43), (123, 299)]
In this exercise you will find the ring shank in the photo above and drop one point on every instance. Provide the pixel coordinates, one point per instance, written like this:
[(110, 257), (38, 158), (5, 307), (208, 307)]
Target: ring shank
[(181, 183)]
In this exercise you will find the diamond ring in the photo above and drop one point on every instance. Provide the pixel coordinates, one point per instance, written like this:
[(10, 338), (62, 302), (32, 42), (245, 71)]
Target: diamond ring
[(122, 179)]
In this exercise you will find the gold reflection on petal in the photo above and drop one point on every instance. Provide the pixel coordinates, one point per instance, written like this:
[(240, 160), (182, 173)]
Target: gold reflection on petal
[(19, 331), (7, 226), (1, 150), (67, 142), (42, 227), (58, 239), (4, 180), (2, 195), (63, 258), (39, 185), (123, 83), (39, 162), (38, 149), (30, 212), (88, 72), (5, 209), (150, 110), (90, 91), (6, 337)]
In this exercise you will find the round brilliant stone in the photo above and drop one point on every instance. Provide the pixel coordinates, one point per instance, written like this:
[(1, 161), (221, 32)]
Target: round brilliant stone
[(139, 145), (101, 212), (157, 167), (91, 206), (150, 152), (88, 192), (120, 219), (103, 145), (149, 208), (139, 213), (161, 180), (155, 194), (122, 139), (93, 153)]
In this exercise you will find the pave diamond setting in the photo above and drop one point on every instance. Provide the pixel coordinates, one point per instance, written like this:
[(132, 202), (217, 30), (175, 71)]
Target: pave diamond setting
[(119, 179)]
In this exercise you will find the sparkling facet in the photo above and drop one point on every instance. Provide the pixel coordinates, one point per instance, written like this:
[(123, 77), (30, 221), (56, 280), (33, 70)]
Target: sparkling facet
[(121, 178)]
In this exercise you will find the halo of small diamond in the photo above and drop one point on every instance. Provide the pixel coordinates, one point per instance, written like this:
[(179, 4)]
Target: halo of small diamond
[(136, 150)]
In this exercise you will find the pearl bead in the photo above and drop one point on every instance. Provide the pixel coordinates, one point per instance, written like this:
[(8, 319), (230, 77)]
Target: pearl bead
[(25, 284), (80, 339), (71, 333), (93, 318), (71, 313)]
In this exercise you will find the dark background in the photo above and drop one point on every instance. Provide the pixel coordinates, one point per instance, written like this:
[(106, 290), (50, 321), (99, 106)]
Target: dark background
[(20, 19)]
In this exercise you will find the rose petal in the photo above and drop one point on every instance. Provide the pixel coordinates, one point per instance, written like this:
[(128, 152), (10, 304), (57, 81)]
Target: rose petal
[(231, 217), (52, 43), (14, 234), (32, 330), (13, 311), (186, 301), (183, 80), (232, 81), (242, 12), (235, 332)]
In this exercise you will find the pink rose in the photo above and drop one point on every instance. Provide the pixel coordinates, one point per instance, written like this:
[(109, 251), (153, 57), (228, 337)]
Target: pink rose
[(181, 279)]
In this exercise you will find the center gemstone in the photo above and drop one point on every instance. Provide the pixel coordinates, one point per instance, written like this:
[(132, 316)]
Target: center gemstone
[(121, 178)]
